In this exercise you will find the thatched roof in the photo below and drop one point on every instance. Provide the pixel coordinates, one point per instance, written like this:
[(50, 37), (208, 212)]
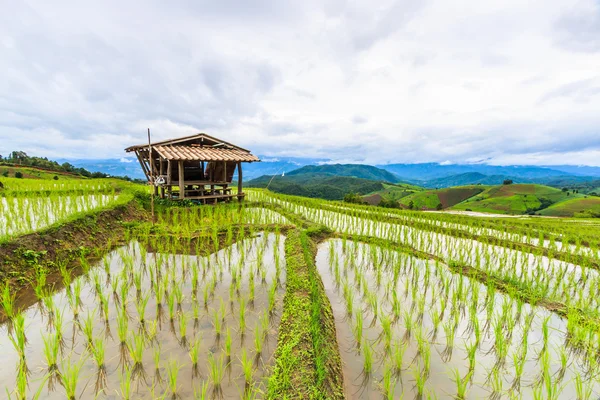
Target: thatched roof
[(204, 153), (200, 147)]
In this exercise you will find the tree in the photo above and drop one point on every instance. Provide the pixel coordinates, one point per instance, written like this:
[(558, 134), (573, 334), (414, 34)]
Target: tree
[(411, 205), (565, 189), (507, 182), (18, 174), (439, 206), (55, 178), (353, 198)]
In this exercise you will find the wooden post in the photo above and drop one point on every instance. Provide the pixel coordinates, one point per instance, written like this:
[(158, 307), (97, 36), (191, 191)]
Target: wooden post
[(169, 188), (151, 176), (162, 172), (240, 193), (181, 181), (144, 168)]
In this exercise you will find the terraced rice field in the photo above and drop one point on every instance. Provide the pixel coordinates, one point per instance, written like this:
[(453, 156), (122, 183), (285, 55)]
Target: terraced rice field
[(288, 297)]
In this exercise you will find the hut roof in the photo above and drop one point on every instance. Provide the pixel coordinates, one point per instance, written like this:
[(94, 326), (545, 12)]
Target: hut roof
[(201, 147), (204, 153)]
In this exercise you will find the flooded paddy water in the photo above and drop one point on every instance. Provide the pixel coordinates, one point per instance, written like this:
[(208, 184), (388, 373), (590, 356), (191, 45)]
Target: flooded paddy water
[(409, 328), (153, 319)]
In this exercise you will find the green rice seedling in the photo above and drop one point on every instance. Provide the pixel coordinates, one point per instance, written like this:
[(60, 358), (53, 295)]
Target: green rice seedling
[(583, 391), (218, 325), (183, 319), (20, 390), (419, 382), (563, 364), (123, 331), (137, 282), (156, 356), (18, 338), (247, 368), (398, 356), (173, 368), (48, 302), (358, 327), (272, 297), (251, 291), (408, 325), (194, 354), (449, 329), (172, 311), (179, 295), (202, 392), (216, 370), (495, 381), (462, 384), (367, 351), (140, 305), (388, 383), (258, 342), (125, 383), (70, 376), (386, 332), (227, 349), (98, 353), (51, 349), (8, 302), (59, 317), (87, 327), (136, 348), (242, 317), (206, 296), (471, 350)]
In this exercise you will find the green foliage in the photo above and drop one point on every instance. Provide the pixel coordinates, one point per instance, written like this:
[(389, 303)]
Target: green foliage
[(353, 198), (324, 187)]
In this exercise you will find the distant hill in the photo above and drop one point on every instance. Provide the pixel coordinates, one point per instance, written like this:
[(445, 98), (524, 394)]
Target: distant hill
[(516, 199), (391, 192), (352, 170), (314, 185), (471, 178), (588, 207), (440, 199), (422, 173)]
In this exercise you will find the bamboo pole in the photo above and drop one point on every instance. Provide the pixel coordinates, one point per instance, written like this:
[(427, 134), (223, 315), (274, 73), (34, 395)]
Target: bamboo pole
[(151, 176)]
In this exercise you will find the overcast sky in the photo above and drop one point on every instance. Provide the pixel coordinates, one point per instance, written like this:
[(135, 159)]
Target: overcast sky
[(507, 81)]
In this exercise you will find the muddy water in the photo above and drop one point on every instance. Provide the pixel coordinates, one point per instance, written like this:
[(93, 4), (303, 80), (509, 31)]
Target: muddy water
[(261, 258), (349, 263)]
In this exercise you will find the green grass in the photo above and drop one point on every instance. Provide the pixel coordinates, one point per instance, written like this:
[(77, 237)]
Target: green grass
[(35, 173)]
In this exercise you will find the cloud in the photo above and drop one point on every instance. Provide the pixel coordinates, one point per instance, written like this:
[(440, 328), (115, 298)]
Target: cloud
[(392, 81)]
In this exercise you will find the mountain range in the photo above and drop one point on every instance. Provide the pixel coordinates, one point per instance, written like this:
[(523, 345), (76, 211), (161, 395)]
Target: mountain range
[(429, 175)]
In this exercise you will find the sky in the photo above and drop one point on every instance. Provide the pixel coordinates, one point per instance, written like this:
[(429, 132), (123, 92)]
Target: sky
[(454, 81)]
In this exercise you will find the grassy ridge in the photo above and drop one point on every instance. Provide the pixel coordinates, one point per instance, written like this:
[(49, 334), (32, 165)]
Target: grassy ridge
[(574, 206), (516, 199), (448, 197), (307, 358)]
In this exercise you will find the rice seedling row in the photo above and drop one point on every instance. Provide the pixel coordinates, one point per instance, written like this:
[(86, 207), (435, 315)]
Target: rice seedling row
[(152, 319)]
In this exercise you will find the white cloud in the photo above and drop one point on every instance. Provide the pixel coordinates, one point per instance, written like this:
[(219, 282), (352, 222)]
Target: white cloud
[(439, 80)]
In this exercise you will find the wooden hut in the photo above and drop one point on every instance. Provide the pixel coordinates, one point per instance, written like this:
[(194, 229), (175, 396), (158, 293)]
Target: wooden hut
[(198, 167)]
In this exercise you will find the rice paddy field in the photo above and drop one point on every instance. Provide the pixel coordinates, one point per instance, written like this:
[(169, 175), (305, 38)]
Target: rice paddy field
[(289, 297)]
